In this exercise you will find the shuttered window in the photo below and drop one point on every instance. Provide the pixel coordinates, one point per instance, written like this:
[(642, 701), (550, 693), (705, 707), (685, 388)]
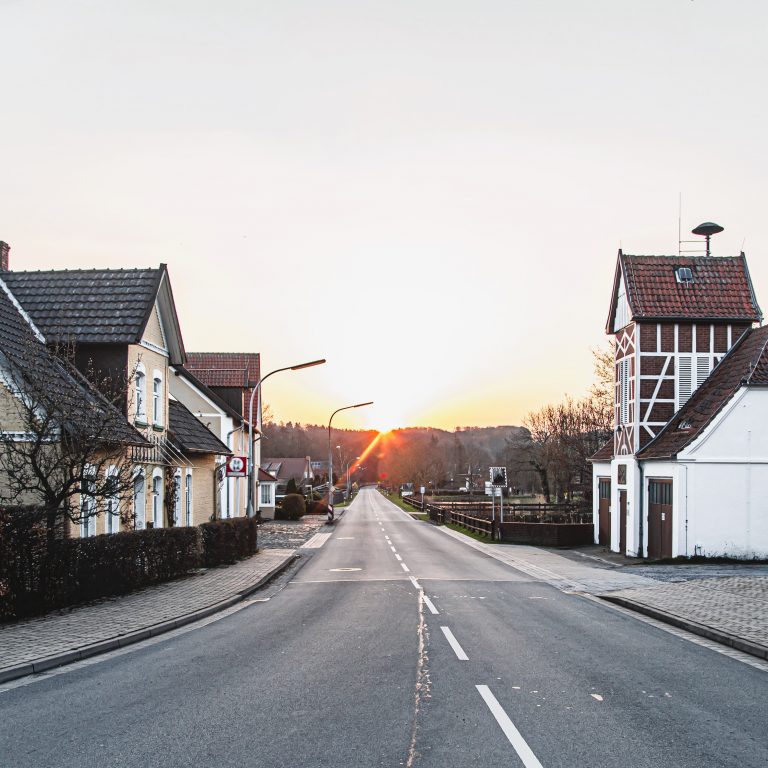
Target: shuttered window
[(624, 391), (692, 372)]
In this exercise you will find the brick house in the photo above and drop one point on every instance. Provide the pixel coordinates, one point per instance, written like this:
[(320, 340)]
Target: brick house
[(685, 472), (123, 323)]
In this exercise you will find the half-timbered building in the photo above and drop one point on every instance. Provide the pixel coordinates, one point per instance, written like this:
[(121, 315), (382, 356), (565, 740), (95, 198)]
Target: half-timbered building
[(677, 323)]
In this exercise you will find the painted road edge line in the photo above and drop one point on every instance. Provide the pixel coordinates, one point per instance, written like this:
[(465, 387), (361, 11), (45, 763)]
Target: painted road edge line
[(454, 643), (514, 736), (430, 605)]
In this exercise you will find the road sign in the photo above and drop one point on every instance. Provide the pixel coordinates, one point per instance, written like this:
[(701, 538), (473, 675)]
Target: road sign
[(499, 477), (236, 466)]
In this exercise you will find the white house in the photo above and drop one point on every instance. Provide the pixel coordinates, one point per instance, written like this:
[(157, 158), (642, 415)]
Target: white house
[(686, 472)]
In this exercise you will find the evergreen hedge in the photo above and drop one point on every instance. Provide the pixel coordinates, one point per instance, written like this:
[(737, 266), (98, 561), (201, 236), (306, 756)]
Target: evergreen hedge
[(226, 541)]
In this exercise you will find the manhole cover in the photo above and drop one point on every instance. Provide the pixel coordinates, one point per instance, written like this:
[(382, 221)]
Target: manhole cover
[(346, 569)]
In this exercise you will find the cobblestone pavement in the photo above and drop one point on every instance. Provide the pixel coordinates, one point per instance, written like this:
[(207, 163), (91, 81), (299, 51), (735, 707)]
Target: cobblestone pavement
[(736, 605), (289, 534), (673, 573), (77, 628)]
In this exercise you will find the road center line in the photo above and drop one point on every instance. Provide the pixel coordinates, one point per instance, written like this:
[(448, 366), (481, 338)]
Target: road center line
[(392, 548), (414, 582), (398, 557), (405, 567), (520, 745), (454, 643), (430, 605)]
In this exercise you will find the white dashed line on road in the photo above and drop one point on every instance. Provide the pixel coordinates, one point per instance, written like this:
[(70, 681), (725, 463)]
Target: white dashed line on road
[(405, 567), (429, 605), (398, 557), (392, 548), (514, 736), (414, 582), (454, 643)]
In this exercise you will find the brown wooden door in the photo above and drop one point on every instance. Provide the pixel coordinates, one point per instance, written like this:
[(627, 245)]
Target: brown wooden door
[(604, 513), (623, 522), (659, 518)]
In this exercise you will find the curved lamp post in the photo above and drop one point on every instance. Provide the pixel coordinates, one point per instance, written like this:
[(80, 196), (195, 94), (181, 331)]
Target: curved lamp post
[(257, 388), (330, 449)]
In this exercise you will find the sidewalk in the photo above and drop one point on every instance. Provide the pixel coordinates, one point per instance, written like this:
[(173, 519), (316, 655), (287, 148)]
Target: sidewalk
[(40, 643), (730, 609)]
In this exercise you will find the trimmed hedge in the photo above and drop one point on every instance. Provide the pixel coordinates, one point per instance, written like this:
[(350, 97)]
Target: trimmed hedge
[(226, 541), (37, 575), (293, 507)]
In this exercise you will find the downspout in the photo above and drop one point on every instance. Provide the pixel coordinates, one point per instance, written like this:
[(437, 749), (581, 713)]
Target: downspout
[(641, 516), (686, 510)]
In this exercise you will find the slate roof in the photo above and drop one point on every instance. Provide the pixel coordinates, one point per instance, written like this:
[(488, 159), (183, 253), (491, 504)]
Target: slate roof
[(604, 453), (721, 288), (746, 364), (224, 369), (28, 360), (189, 434), (107, 306), (286, 468)]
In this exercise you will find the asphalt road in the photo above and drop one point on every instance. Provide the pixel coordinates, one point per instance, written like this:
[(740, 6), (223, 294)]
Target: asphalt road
[(395, 645)]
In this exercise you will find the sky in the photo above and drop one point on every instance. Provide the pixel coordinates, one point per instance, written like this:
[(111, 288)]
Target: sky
[(428, 193)]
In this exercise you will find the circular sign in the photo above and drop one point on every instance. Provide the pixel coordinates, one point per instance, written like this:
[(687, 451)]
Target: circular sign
[(236, 464)]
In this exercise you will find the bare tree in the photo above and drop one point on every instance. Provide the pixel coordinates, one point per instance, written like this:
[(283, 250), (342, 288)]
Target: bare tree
[(68, 453)]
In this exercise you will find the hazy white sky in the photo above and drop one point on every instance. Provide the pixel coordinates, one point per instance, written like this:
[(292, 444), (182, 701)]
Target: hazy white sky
[(429, 194)]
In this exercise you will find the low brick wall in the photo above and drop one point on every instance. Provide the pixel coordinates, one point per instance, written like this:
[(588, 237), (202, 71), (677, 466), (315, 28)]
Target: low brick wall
[(547, 534)]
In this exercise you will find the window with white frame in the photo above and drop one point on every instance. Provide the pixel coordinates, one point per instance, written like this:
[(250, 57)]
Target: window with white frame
[(157, 498), (177, 497), (112, 505), (624, 391), (157, 398), (188, 498), (692, 372), (140, 393), (266, 494), (88, 504), (139, 501)]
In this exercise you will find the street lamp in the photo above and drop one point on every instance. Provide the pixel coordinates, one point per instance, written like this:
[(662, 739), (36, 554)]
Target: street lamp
[(330, 450), (257, 388)]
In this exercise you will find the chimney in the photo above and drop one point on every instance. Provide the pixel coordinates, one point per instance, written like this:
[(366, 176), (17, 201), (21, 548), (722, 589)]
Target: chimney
[(5, 249)]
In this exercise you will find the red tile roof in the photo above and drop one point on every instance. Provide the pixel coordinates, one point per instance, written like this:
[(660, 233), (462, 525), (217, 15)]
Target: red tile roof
[(224, 369), (721, 288), (745, 365)]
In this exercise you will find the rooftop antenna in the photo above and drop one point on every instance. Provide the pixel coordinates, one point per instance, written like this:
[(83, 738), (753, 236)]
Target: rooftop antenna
[(708, 228)]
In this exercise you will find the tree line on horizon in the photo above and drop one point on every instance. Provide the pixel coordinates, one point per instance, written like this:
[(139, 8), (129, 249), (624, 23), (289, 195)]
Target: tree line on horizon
[(548, 454)]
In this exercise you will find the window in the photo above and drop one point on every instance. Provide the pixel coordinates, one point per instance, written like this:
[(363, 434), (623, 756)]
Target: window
[(157, 398), (266, 494), (188, 498), (157, 499), (689, 366), (624, 391), (604, 487), (177, 497), (139, 501), (112, 506), (684, 275), (87, 504), (140, 393)]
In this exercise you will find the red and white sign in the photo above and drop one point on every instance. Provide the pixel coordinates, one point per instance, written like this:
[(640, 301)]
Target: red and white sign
[(236, 466)]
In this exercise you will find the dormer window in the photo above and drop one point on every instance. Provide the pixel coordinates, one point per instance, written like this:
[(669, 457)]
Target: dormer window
[(684, 275)]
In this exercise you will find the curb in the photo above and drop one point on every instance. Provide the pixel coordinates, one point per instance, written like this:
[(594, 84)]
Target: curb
[(754, 649), (103, 646)]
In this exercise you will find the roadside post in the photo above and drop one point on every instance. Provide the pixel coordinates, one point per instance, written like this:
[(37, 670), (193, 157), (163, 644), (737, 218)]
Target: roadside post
[(498, 484), (422, 489)]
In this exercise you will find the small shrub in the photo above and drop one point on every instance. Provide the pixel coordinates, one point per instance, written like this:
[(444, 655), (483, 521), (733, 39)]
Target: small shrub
[(227, 541), (293, 507)]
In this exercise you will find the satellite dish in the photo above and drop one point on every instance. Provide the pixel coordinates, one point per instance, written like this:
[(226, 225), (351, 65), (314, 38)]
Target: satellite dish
[(708, 228)]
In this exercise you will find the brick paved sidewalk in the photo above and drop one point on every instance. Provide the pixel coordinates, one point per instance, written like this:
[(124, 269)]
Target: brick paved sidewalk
[(57, 638), (731, 609)]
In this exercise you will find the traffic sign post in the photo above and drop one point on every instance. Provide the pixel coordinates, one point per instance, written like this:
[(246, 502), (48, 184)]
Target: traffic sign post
[(499, 480), (236, 466)]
